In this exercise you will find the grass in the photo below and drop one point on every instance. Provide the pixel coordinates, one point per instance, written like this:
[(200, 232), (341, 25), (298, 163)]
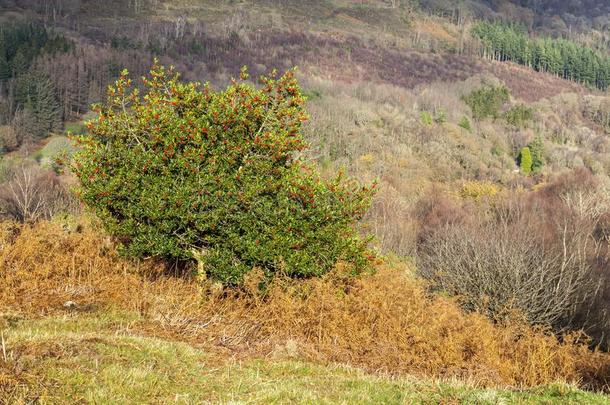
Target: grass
[(100, 357), (380, 323)]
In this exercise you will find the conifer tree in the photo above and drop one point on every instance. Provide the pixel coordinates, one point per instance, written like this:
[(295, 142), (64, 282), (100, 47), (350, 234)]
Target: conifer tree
[(525, 160), (564, 58), (35, 94), (536, 148)]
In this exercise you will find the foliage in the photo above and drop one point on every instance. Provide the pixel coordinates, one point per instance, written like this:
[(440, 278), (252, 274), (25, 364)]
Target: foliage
[(506, 42), (465, 123), (426, 118), (519, 116), (57, 147), (187, 174), (487, 101), (21, 42), (330, 320), (29, 100), (525, 160), (441, 116), (85, 346), (35, 95), (478, 190), (536, 148)]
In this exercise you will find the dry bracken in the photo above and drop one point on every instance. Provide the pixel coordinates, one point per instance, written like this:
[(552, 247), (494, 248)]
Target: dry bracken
[(384, 322)]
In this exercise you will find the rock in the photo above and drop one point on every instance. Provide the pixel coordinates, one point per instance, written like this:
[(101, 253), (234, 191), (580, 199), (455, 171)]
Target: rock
[(70, 305)]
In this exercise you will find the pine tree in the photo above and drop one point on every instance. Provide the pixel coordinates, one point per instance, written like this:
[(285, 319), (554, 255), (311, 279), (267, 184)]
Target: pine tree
[(19, 64), (5, 68), (508, 42), (35, 94)]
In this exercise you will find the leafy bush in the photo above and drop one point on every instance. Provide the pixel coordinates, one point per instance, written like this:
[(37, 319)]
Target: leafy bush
[(487, 101), (187, 173)]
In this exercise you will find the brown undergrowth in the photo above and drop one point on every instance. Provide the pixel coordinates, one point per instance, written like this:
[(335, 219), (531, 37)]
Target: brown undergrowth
[(385, 322)]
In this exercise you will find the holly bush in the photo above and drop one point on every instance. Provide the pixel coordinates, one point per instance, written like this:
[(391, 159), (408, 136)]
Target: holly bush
[(182, 172)]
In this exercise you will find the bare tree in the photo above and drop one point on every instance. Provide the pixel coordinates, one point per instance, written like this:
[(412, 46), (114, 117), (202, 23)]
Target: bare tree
[(22, 196), (498, 267), (31, 194), (538, 254)]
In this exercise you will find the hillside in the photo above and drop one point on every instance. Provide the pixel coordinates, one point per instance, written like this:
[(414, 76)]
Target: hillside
[(99, 359), (481, 127), (80, 323)]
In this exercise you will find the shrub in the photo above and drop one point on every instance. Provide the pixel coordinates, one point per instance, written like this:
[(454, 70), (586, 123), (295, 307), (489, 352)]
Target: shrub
[(515, 257), (487, 101), (519, 116), (426, 118), (187, 173), (542, 252), (31, 194), (525, 160), (479, 190), (465, 123), (441, 116), (55, 152), (597, 109), (9, 138), (384, 322)]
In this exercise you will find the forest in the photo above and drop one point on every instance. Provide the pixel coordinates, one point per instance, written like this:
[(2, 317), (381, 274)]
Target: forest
[(564, 58)]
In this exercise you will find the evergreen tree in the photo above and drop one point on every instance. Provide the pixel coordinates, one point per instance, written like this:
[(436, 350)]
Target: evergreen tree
[(487, 101), (508, 42), (536, 148), (19, 64), (525, 160), (5, 68), (190, 174), (35, 94)]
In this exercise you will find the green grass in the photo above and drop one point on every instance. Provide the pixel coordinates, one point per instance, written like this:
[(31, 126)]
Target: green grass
[(98, 358)]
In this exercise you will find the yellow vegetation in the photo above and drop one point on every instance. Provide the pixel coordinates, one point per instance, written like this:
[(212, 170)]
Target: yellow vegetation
[(385, 322), (478, 190)]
